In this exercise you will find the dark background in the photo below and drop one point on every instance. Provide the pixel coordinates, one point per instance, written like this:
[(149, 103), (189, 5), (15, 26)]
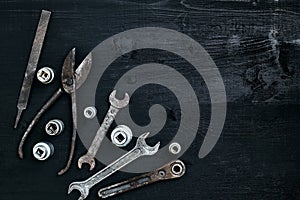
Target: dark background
[(258, 154)]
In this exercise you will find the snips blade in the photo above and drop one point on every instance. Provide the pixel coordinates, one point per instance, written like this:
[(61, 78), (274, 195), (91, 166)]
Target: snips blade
[(83, 70), (67, 75)]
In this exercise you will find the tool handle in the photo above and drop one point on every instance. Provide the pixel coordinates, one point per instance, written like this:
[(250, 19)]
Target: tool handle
[(74, 134), (36, 119), (113, 167), (109, 118), (128, 185), (164, 173)]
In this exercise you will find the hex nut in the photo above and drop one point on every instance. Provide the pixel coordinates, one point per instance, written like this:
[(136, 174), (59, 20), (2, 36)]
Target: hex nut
[(174, 148), (90, 112), (45, 75), (121, 136)]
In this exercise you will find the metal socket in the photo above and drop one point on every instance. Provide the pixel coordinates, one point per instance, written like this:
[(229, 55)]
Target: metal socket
[(43, 150), (121, 136), (174, 148), (45, 75), (54, 127), (90, 112)]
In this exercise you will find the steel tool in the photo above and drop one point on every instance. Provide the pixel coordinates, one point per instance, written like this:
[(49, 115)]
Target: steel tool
[(68, 82), (90, 112), (32, 63), (115, 106), (174, 148), (54, 127), (172, 170), (69, 85), (43, 150), (140, 149), (121, 136), (45, 75)]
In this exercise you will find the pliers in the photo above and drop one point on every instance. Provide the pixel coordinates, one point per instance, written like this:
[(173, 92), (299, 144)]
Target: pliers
[(70, 82)]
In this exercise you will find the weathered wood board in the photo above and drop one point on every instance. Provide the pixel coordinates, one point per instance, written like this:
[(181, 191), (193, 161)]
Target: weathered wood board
[(254, 43)]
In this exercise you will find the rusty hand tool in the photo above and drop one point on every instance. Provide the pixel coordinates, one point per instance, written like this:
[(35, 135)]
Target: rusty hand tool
[(69, 85), (140, 149), (32, 63), (172, 170), (115, 106), (81, 74)]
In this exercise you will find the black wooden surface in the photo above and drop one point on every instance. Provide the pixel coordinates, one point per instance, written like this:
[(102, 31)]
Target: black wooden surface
[(258, 154)]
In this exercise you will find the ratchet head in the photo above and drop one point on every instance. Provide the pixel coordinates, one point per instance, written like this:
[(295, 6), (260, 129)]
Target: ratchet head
[(145, 148), (86, 159), (84, 192), (175, 169), (118, 103)]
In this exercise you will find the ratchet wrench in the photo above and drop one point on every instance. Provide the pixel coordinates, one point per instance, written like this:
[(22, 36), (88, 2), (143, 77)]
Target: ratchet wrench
[(172, 170)]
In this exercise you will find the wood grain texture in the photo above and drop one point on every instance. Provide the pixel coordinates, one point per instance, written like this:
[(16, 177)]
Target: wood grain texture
[(254, 43)]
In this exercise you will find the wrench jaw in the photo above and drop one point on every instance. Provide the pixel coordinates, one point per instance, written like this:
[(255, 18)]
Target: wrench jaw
[(146, 149), (141, 149), (88, 160), (84, 192), (118, 103)]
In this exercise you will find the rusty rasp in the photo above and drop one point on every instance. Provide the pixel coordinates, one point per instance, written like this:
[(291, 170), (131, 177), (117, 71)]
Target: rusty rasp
[(32, 63)]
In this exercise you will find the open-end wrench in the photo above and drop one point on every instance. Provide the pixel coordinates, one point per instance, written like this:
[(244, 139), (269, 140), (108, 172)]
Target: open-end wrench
[(172, 170), (115, 106), (140, 149)]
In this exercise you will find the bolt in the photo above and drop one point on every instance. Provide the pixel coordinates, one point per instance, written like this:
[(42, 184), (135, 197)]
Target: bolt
[(69, 81), (162, 173)]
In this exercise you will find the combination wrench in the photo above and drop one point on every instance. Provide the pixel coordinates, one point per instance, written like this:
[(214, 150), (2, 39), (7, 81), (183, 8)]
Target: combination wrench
[(115, 106), (172, 170), (140, 149)]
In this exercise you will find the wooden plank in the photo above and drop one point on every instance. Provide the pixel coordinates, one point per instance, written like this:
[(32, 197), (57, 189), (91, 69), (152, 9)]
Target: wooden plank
[(257, 156)]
